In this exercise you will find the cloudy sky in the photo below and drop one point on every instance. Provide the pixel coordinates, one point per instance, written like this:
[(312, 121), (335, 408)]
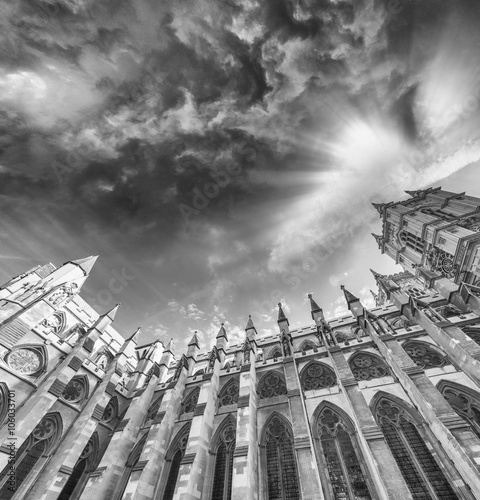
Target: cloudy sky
[(222, 155)]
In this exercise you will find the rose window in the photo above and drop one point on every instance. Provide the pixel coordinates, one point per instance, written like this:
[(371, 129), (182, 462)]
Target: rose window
[(424, 355), (191, 402), (229, 434), (75, 391), (229, 395), (109, 413), (45, 429), (272, 385), (25, 361), (367, 367), (317, 376)]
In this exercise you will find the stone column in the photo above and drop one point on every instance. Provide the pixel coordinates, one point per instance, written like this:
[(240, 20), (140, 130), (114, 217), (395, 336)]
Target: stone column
[(159, 436), (104, 481), (245, 457), (191, 478), (451, 430), (40, 402)]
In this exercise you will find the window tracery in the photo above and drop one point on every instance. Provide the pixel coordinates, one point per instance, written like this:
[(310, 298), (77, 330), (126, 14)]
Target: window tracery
[(27, 360), (76, 390), (222, 479), (175, 455), (272, 385), (55, 323), (275, 353), (463, 402), (366, 366), (282, 476), (424, 355), (111, 411), (341, 458), (153, 410), (191, 401), (317, 376), (229, 393), (307, 345), (421, 472), (473, 332)]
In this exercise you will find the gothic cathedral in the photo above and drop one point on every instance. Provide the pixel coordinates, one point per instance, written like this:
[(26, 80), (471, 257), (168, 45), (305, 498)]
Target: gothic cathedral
[(381, 404)]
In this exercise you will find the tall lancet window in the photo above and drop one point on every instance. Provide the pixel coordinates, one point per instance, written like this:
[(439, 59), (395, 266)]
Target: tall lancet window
[(174, 459), (131, 475), (421, 472), (224, 448), (40, 444), (279, 459), (345, 478)]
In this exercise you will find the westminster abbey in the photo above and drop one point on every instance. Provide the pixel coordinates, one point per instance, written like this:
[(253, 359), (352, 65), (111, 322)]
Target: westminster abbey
[(383, 403)]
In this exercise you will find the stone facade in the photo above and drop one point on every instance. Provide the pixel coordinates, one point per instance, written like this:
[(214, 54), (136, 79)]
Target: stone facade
[(380, 404)]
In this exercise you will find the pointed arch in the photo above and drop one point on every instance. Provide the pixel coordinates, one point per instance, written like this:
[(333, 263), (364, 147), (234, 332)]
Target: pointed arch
[(222, 451), (279, 466), (41, 443), (401, 424), (30, 360), (307, 345), (77, 390), (473, 332), (275, 352), (190, 401), (272, 384), (153, 410), (4, 398), (85, 464), (367, 366), (174, 457), (111, 411), (317, 375), (131, 474), (424, 354), (340, 456), (229, 393), (465, 401), (199, 372), (56, 323)]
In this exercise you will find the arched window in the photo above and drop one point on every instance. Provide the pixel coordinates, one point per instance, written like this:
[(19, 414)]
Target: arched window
[(131, 475), (199, 372), (424, 354), (153, 410), (317, 376), (76, 390), (111, 411), (279, 460), (3, 401), (56, 323), (366, 366), (85, 464), (42, 442), (191, 401), (275, 353), (223, 451), (398, 322), (229, 393), (340, 456), (174, 459), (307, 345), (464, 401), (272, 384), (29, 360), (421, 472)]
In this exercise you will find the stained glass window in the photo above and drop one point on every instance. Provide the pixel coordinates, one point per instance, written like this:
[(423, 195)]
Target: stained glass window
[(421, 472), (317, 376), (272, 385), (282, 477), (424, 355), (366, 366), (178, 452), (342, 463), (229, 394), (75, 390), (222, 481)]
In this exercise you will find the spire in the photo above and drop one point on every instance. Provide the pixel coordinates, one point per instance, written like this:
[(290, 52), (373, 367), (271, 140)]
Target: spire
[(135, 335), (222, 332), (349, 297), (249, 323), (85, 264), (170, 346), (111, 314), (194, 340), (376, 275), (378, 239), (412, 193), (313, 305), (379, 207), (281, 314)]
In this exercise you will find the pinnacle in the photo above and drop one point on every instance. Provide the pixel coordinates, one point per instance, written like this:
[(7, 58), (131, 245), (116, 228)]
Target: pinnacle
[(314, 306), (349, 297), (85, 264), (249, 323), (194, 340), (281, 314)]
